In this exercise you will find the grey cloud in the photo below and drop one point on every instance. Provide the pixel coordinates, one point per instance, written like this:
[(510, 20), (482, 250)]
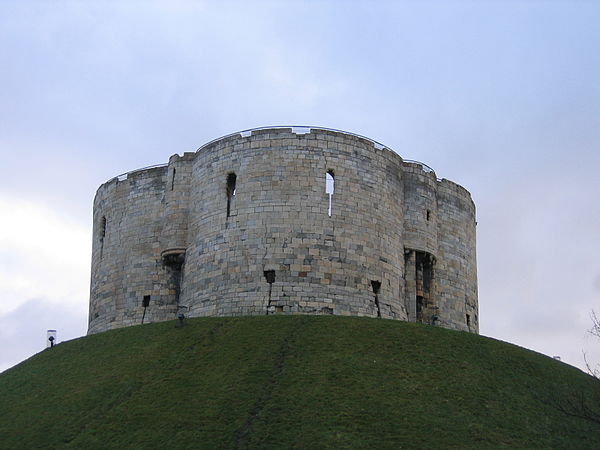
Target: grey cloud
[(501, 97)]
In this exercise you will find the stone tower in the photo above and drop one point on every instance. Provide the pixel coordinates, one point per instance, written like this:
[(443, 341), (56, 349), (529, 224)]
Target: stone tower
[(284, 221)]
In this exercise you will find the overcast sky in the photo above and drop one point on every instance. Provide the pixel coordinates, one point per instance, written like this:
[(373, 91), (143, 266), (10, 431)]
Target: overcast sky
[(502, 97)]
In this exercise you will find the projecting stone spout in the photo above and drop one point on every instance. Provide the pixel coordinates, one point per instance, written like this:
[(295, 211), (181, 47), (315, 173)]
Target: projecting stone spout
[(173, 257)]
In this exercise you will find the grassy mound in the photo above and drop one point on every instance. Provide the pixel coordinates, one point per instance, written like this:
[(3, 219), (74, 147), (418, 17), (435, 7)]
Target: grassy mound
[(293, 381)]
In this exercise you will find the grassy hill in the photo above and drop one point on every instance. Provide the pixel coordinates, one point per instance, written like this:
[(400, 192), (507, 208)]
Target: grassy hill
[(293, 381)]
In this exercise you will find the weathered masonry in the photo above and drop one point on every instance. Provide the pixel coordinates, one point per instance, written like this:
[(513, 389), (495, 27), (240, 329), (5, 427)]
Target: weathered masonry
[(284, 221)]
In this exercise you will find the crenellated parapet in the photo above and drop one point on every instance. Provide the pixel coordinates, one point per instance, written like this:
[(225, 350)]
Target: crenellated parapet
[(284, 221)]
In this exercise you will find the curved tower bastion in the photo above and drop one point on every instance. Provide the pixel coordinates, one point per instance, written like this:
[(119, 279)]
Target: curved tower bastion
[(284, 221)]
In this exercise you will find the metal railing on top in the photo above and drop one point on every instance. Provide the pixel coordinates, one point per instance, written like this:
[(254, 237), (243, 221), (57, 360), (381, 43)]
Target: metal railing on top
[(425, 167), (296, 129), (124, 176)]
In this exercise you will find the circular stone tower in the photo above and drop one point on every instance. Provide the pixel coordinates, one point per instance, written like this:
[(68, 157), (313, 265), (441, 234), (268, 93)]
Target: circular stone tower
[(284, 221)]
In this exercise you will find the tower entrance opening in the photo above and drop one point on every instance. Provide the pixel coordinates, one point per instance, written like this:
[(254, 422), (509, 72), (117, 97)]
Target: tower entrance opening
[(173, 260), (420, 302)]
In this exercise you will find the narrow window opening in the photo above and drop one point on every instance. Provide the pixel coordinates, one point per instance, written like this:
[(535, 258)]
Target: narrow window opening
[(102, 228), (231, 179), (468, 321), (173, 178), (428, 215), (102, 235), (376, 285), (329, 188)]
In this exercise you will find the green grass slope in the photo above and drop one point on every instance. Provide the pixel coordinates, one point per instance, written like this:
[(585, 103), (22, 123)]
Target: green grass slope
[(293, 381)]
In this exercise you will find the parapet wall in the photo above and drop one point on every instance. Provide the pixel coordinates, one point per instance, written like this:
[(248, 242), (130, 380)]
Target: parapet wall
[(245, 226)]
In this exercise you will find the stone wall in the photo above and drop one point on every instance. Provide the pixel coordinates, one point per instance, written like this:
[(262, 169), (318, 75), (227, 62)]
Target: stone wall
[(244, 226)]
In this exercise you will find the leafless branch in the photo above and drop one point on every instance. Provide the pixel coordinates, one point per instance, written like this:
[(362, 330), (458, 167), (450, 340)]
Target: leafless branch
[(595, 330), (579, 404), (593, 372)]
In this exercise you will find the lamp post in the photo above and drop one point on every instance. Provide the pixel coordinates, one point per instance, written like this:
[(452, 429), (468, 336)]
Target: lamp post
[(50, 338)]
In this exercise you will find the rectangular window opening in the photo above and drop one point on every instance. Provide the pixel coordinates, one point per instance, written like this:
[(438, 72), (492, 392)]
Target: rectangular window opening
[(270, 276), (103, 228), (146, 301), (376, 285)]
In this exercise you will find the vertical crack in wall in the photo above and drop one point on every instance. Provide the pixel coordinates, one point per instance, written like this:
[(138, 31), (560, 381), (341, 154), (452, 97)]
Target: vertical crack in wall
[(265, 244), (467, 315), (264, 259)]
